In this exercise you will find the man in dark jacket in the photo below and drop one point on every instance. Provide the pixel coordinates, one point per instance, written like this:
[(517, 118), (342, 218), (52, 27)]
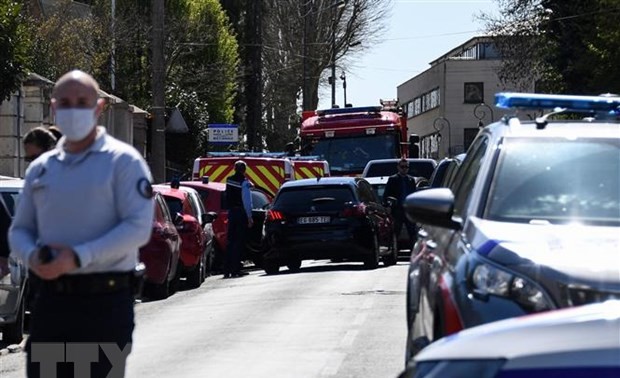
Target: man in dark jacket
[(239, 201), (399, 186)]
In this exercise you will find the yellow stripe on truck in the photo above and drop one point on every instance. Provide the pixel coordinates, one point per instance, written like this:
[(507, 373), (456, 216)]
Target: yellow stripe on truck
[(253, 176), (221, 173), (275, 181)]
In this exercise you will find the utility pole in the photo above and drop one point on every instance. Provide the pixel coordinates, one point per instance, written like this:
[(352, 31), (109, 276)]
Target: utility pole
[(158, 126), (343, 77), (333, 74)]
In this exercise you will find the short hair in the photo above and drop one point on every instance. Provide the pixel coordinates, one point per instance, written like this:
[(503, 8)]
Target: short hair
[(55, 131), (240, 166), (403, 160), (40, 137)]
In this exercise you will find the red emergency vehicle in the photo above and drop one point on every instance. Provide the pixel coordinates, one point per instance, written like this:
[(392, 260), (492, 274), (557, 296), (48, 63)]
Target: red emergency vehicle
[(266, 171), (349, 137)]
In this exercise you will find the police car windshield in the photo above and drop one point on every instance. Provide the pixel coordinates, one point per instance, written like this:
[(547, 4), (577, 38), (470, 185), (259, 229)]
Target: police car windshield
[(557, 180), (346, 155)]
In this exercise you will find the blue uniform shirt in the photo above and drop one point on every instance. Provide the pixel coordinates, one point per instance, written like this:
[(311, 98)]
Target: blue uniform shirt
[(98, 201)]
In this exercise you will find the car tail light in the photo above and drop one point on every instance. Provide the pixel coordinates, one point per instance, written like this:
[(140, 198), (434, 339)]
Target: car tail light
[(353, 210), (274, 216)]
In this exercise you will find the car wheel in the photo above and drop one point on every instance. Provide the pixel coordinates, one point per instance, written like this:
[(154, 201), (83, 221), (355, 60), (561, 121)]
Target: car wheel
[(372, 261), (209, 262), (14, 333), (203, 266), (158, 291), (271, 267), (294, 265), (194, 278), (392, 257)]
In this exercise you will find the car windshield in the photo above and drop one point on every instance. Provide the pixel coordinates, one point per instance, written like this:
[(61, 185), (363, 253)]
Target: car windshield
[(352, 154), (378, 189), (10, 199), (313, 197), (389, 168), (557, 181)]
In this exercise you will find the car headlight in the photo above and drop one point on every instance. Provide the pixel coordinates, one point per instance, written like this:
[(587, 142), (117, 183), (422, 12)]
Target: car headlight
[(458, 368), (489, 279)]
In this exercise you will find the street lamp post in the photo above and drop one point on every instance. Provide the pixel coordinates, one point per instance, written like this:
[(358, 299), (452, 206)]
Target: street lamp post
[(480, 112), (333, 74), (337, 6), (438, 124), (343, 77)]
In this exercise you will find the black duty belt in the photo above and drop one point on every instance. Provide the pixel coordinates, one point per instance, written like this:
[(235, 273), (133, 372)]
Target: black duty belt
[(93, 283)]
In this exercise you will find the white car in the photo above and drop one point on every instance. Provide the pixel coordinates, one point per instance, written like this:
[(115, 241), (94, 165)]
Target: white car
[(580, 341), (12, 285)]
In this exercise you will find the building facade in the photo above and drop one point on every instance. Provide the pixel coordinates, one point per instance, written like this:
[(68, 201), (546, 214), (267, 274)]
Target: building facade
[(447, 103)]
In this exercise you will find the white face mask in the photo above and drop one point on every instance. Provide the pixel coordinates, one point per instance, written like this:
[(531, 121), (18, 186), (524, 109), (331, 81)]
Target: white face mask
[(76, 123)]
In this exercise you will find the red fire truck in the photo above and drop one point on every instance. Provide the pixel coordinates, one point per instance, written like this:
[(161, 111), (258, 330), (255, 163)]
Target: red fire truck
[(349, 137), (267, 171)]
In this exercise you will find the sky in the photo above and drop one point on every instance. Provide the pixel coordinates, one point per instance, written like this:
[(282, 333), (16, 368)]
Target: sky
[(418, 32)]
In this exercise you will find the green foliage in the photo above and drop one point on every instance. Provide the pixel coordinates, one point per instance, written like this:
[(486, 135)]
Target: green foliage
[(66, 40), (570, 46), (14, 45)]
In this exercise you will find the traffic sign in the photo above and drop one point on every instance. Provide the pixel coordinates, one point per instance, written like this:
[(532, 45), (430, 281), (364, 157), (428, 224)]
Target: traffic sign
[(223, 133)]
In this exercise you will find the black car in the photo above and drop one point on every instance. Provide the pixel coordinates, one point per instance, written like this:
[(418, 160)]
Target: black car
[(421, 169), (530, 223), (445, 171), (328, 218)]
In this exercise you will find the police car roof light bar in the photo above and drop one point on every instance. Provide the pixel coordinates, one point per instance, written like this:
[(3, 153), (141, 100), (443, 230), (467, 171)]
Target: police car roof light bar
[(570, 103), (339, 111), (276, 155)]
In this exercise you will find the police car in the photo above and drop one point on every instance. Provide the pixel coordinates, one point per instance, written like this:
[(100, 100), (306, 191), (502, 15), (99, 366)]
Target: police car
[(530, 223), (569, 343)]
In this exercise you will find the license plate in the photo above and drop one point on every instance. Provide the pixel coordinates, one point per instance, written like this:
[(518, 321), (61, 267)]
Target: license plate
[(312, 220)]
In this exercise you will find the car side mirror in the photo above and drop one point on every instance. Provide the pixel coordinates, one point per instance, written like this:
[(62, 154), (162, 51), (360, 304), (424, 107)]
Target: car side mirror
[(209, 217), (178, 219)]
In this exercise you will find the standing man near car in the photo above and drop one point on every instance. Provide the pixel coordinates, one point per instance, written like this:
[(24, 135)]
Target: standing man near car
[(85, 209), (239, 201), (399, 186)]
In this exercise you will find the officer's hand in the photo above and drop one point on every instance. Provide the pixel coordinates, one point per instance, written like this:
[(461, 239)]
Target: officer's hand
[(63, 263), (250, 222)]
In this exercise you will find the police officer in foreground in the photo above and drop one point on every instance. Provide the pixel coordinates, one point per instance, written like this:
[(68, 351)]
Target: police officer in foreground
[(239, 201), (85, 209)]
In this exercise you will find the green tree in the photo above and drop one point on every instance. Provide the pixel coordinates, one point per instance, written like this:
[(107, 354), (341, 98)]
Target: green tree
[(567, 46), (14, 45)]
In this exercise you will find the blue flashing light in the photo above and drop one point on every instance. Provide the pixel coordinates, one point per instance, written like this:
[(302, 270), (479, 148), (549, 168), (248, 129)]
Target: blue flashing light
[(550, 101), (338, 111)]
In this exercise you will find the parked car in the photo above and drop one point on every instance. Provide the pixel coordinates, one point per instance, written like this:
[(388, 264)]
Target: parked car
[(530, 223), (421, 169), (327, 218), (576, 342), (14, 286), (195, 230), (445, 171), (161, 254), (213, 196)]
